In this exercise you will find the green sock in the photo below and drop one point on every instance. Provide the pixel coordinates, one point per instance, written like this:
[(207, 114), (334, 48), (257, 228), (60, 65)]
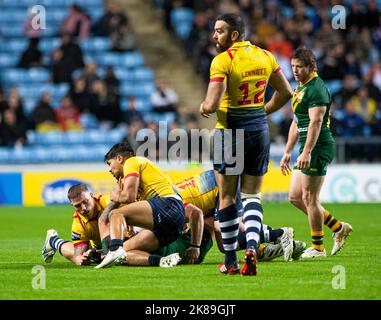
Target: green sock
[(105, 244)]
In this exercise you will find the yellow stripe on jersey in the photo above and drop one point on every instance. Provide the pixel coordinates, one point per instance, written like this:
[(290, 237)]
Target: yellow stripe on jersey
[(86, 231), (246, 69), (153, 182)]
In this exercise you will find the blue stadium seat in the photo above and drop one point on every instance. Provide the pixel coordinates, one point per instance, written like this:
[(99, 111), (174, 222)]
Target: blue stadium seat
[(96, 44), (33, 75), (14, 45), (143, 105), (47, 45), (182, 21), (14, 16), (88, 121), (9, 59), (142, 91), (334, 86), (36, 90)]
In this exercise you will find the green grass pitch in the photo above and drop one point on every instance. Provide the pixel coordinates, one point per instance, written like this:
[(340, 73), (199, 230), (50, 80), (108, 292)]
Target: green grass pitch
[(22, 233)]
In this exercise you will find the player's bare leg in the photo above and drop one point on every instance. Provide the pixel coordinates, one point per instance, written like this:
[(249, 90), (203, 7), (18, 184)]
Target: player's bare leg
[(311, 186), (135, 214)]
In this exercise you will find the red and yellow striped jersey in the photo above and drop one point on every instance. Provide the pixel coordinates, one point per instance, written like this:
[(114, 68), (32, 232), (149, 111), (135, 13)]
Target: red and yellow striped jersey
[(154, 182), (246, 69), (86, 231)]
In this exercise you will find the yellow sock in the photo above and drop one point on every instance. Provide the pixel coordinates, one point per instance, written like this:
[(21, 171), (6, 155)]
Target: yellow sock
[(317, 240), (331, 222)]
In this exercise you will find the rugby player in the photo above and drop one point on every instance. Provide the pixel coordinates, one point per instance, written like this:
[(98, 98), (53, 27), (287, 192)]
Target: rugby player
[(311, 103)]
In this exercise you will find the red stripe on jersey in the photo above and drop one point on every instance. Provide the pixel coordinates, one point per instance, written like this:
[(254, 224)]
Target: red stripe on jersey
[(230, 53), (217, 79), (80, 244), (131, 175), (278, 69)]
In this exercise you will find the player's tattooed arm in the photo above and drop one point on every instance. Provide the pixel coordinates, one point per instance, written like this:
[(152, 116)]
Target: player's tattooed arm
[(106, 212)]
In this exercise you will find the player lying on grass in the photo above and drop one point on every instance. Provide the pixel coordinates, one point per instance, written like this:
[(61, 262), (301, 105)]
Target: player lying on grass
[(200, 197), (85, 231)]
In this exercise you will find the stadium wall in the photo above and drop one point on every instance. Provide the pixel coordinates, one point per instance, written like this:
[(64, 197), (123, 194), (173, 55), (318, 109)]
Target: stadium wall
[(42, 185)]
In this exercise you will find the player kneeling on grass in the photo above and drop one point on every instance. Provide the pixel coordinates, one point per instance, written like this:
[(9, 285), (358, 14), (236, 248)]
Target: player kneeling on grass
[(86, 241), (85, 246)]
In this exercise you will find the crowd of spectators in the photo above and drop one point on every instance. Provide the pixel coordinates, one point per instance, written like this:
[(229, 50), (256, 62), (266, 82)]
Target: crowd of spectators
[(349, 56), (89, 94)]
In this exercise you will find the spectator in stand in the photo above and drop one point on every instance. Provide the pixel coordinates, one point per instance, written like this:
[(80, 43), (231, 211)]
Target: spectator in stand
[(12, 133), (68, 116), (372, 15), (356, 18), (123, 39), (32, 56), (111, 114), (76, 23), (164, 98), (133, 129), (132, 114), (353, 122), (111, 81), (80, 97), (352, 66), (375, 74), (334, 63), (3, 102), (15, 104), (353, 126), (184, 116), (43, 117), (279, 45), (89, 75), (364, 105), (349, 89), (373, 91), (31, 31), (112, 20), (66, 59), (99, 97)]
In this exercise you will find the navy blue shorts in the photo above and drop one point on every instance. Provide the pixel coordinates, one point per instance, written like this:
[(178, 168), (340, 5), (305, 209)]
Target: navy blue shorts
[(168, 217), (255, 157)]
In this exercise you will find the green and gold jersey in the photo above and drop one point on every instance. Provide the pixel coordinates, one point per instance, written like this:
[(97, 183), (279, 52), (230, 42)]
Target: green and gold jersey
[(312, 94)]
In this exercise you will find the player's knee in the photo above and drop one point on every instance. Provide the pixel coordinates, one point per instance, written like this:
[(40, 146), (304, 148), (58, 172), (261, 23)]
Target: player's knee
[(251, 197), (295, 200), (310, 198)]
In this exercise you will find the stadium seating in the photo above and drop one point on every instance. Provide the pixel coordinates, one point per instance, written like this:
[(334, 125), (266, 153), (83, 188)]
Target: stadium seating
[(92, 142)]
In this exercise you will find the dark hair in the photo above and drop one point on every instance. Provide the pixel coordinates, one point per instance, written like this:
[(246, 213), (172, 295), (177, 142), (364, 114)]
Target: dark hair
[(305, 55), (123, 149), (235, 23), (76, 190)]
